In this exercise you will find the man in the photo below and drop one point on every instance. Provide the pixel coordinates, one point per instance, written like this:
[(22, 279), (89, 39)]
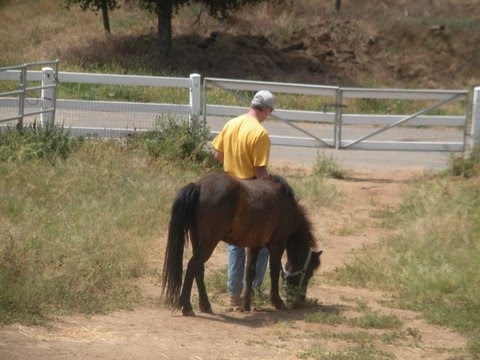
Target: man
[(243, 146)]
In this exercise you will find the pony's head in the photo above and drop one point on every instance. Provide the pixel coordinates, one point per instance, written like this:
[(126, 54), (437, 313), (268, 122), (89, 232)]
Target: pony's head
[(302, 261), (296, 278)]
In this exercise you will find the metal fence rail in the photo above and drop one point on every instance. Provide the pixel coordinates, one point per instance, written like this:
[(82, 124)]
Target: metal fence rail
[(119, 117), (21, 74)]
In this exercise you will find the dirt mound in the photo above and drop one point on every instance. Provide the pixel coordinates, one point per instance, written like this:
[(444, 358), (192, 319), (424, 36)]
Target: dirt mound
[(409, 45), (335, 52), (325, 54)]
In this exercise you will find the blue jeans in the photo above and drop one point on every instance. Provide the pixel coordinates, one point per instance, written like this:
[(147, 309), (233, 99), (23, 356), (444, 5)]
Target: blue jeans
[(236, 269)]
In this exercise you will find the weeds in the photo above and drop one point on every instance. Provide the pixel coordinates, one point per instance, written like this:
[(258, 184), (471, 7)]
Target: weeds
[(432, 264), (33, 143), (369, 319), (324, 318), (327, 166), (172, 140), (466, 166), (216, 281), (351, 353), (374, 320), (75, 233)]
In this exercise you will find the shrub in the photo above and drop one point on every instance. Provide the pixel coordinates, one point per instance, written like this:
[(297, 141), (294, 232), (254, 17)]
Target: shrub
[(468, 166), (36, 143), (328, 167), (175, 140)]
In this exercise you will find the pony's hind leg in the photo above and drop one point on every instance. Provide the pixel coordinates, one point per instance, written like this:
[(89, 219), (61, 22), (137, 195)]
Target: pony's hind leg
[(204, 303), (275, 265), (187, 309), (195, 270)]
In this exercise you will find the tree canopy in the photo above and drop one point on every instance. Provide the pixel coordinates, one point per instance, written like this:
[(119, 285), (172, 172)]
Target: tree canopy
[(165, 10)]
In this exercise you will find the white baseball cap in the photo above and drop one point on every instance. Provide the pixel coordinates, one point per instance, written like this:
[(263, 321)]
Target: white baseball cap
[(264, 98)]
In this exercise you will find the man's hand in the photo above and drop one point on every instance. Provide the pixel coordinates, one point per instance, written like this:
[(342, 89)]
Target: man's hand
[(219, 156), (260, 172)]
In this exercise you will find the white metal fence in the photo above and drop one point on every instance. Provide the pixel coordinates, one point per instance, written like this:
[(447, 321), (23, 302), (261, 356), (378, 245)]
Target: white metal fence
[(20, 106), (113, 118), (331, 126)]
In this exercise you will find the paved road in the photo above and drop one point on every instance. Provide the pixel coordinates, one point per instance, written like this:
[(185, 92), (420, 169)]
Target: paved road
[(350, 159), (363, 160)]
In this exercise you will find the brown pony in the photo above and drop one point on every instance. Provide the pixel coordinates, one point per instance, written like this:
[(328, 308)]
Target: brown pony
[(248, 213)]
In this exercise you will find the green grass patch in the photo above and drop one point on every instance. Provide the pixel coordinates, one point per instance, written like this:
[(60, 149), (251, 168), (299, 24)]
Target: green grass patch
[(466, 166), (432, 264), (216, 281), (73, 235), (34, 143), (173, 140), (80, 91), (350, 353), (453, 24), (368, 319), (328, 166), (329, 318), (375, 320), (78, 220)]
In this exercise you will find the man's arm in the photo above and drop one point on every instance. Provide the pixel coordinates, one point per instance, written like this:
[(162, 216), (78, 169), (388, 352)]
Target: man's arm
[(219, 156), (260, 171)]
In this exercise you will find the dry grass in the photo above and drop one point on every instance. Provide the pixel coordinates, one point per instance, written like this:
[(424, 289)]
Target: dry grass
[(370, 43)]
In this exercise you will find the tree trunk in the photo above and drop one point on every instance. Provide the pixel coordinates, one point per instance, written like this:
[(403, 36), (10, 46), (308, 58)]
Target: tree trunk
[(338, 3), (164, 15), (106, 21)]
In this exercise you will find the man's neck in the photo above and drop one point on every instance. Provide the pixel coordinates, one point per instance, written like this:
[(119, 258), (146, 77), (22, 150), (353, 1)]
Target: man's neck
[(255, 114)]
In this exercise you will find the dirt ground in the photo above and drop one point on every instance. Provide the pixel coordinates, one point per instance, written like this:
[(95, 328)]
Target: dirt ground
[(344, 48), (157, 333)]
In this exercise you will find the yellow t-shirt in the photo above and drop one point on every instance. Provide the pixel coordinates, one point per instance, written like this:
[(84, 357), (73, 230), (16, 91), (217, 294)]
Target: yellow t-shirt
[(244, 143)]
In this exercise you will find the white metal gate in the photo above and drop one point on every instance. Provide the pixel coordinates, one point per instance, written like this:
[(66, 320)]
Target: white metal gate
[(338, 119), (24, 88)]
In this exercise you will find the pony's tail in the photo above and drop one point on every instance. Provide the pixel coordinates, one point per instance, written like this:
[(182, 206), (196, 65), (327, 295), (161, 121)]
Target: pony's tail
[(181, 220)]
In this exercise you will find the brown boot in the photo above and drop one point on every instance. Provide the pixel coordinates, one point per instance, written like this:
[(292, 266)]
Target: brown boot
[(235, 301)]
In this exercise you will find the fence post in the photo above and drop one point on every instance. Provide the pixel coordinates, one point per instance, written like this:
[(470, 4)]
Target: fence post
[(337, 131), (195, 99), (475, 117), (47, 118), (21, 98)]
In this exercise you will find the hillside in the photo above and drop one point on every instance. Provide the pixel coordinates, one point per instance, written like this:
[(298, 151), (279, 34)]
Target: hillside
[(388, 43)]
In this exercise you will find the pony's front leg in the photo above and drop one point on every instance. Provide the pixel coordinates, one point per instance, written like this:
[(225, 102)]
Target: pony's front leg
[(252, 255), (202, 292), (275, 300), (187, 309)]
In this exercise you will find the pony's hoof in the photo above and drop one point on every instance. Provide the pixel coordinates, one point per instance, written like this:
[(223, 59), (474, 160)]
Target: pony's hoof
[(207, 311), (188, 313), (234, 309), (280, 306)]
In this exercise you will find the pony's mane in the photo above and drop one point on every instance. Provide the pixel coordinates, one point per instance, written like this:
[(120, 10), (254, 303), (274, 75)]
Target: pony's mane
[(285, 185), (307, 225), (304, 223)]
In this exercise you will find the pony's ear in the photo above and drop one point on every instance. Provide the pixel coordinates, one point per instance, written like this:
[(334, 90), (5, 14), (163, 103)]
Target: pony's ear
[(316, 258)]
